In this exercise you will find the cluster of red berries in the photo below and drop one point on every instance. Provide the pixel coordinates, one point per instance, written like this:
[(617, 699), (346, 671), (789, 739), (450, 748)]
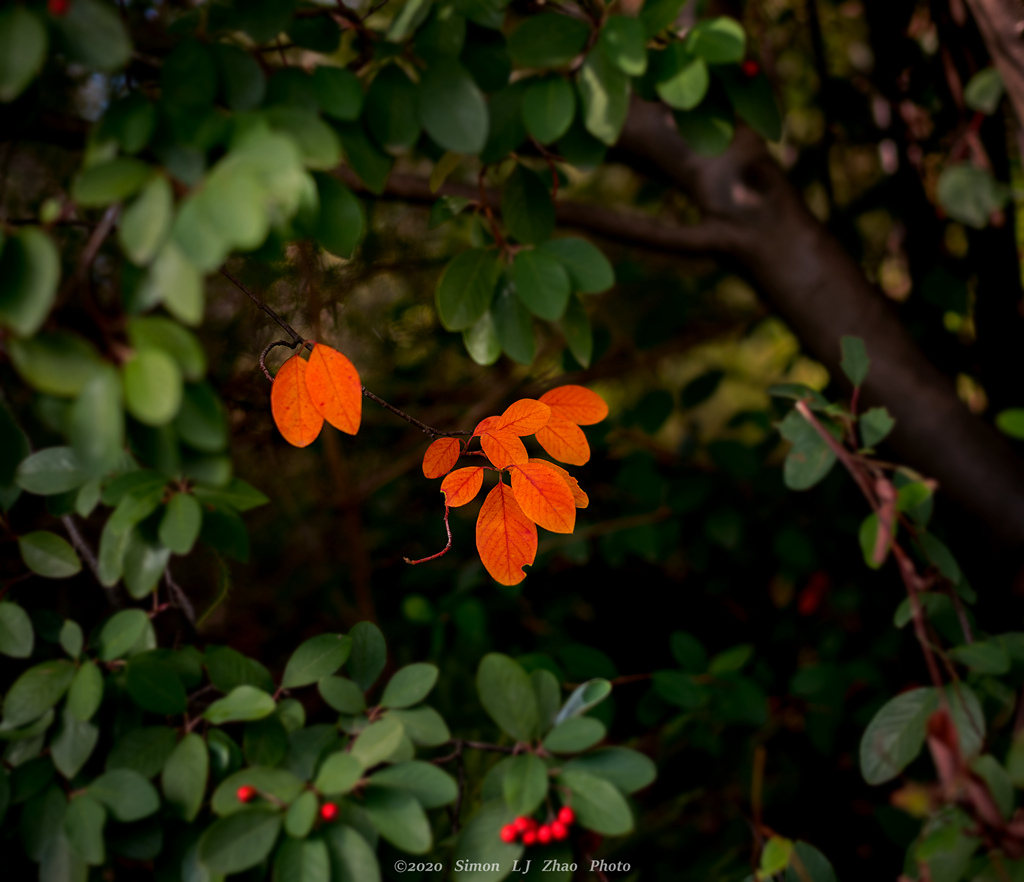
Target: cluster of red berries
[(245, 793), (533, 833)]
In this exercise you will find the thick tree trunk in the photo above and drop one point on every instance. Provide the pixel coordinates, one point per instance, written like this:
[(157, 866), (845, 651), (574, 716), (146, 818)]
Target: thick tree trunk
[(804, 273)]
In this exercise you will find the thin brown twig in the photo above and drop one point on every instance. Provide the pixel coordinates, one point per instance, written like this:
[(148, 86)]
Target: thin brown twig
[(266, 351), (82, 547), (443, 551)]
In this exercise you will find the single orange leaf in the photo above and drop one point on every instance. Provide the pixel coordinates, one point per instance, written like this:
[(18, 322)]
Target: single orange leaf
[(441, 456), (462, 486), (335, 389), (544, 496), (503, 448), (577, 404), (505, 537), (524, 417), (484, 425), (296, 416), (579, 497), (564, 440)]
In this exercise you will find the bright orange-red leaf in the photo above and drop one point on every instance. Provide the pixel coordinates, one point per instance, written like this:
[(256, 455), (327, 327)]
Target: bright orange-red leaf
[(462, 486), (564, 440), (579, 497), (505, 537), (577, 404), (484, 425), (441, 456), (503, 448), (544, 496), (524, 417), (294, 412), (335, 389)]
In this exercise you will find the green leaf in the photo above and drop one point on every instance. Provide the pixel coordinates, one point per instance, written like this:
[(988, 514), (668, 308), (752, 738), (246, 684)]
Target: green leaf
[(121, 632), (526, 207), (342, 695), (317, 141), (775, 855), (579, 336), (708, 128), (279, 784), (378, 741), (507, 695), (338, 774), (241, 704), (548, 694), (541, 283), (968, 718), (855, 362), (229, 669), (83, 826), (36, 691), (627, 769), (301, 815), (754, 101), (733, 659), (352, 859), (589, 270), (983, 92), (1011, 422), (525, 783), (154, 686), (50, 471), (237, 494), (366, 159), (549, 105), (623, 41), (47, 554), (983, 656), (895, 735), (316, 658), (201, 422), (452, 109), (241, 77), (575, 735), (92, 32), (970, 194), (179, 526), (998, 781), (29, 273), (408, 19), (152, 387), (810, 458), (111, 181), (265, 741), (146, 223), (718, 40), (446, 208), (424, 726), (240, 840), (505, 130), (86, 691), (184, 776), (399, 818), (338, 92), (297, 861), (480, 854), (409, 686), (683, 78), (176, 282), (391, 109), (73, 744), (604, 91), (342, 220), (583, 698), (96, 423), (16, 635), (23, 42), (875, 425), (548, 40), (481, 341), (432, 787), (466, 287), (656, 15), (127, 795), (816, 867), (599, 805), (369, 654), (513, 325), (130, 121)]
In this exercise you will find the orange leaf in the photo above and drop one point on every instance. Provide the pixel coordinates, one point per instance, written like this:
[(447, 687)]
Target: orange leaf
[(503, 448), (579, 497), (462, 486), (564, 440), (484, 425), (294, 412), (505, 537), (334, 388), (544, 496), (441, 456), (577, 404), (524, 417)]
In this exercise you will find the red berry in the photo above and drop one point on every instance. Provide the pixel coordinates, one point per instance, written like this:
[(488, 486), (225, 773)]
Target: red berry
[(509, 833), (544, 835), (559, 830), (566, 815), (750, 68), (58, 7), (328, 811), (245, 793), (521, 824), (529, 837)]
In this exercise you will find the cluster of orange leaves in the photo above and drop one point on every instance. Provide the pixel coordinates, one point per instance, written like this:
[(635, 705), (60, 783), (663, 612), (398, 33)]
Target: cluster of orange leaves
[(541, 493), (305, 393)]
